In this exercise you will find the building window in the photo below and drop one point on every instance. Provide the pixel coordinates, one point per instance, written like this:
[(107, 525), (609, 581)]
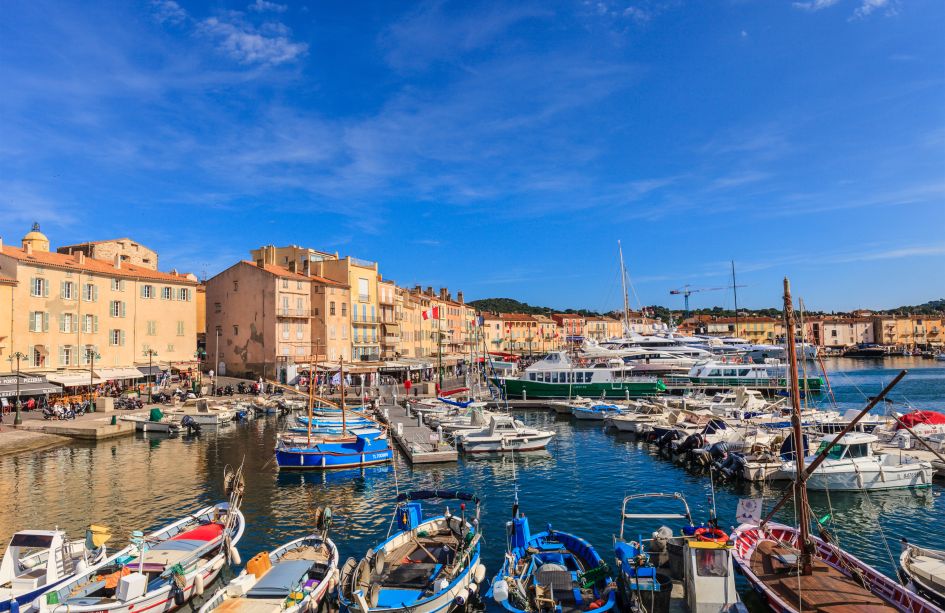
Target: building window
[(363, 291), (116, 308), (184, 294), (167, 293), (344, 309), (152, 327), (66, 355), (39, 321), (331, 308), (38, 358), (68, 323), (147, 291), (315, 312), (344, 333), (217, 307), (285, 330), (68, 290), (298, 285), (90, 324), (236, 286), (300, 330), (118, 285), (300, 310), (331, 333), (170, 347), (285, 285), (89, 292), (236, 330), (39, 288), (180, 328), (116, 338)]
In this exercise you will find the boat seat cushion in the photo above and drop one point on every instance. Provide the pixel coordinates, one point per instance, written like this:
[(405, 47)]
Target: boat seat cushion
[(181, 545), (206, 532), (280, 580)]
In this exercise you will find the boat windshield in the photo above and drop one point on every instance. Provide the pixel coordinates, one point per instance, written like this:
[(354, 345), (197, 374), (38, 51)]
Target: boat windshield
[(836, 452), (712, 562)]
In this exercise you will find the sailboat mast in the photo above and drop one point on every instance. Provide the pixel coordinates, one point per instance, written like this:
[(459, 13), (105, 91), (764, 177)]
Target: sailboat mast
[(735, 293), (800, 482), (311, 401), (626, 297), (341, 375)]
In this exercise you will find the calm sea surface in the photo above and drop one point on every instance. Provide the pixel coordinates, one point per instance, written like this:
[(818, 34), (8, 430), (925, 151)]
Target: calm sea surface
[(141, 482)]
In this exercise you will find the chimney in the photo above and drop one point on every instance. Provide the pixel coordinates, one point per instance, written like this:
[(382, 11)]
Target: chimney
[(261, 263), (430, 290), (443, 294), (417, 289), (118, 261), (459, 297), (29, 248), (80, 257)]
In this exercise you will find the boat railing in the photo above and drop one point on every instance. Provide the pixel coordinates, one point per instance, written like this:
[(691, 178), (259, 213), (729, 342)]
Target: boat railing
[(634, 498)]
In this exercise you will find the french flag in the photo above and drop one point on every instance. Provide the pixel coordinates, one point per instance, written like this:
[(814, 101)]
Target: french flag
[(433, 313)]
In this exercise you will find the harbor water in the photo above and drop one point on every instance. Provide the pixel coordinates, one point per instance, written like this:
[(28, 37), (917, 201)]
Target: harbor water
[(577, 485)]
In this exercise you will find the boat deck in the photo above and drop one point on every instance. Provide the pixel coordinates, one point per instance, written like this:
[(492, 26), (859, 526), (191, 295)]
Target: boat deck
[(416, 439), (826, 590)]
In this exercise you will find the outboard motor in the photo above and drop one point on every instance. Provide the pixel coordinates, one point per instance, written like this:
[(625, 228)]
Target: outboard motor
[(667, 438), (731, 467), (719, 450), (693, 441), (188, 423)]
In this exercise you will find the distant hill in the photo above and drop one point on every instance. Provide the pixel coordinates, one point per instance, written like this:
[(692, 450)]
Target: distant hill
[(510, 305)]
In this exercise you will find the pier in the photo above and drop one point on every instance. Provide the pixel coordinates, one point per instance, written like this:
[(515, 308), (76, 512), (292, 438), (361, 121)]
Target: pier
[(419, 443)]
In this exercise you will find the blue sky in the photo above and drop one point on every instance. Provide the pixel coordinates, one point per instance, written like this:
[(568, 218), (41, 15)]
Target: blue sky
[(500, 149)]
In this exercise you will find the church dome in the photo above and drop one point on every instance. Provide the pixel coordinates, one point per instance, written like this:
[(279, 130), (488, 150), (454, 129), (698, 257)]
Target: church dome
[(36, 239)]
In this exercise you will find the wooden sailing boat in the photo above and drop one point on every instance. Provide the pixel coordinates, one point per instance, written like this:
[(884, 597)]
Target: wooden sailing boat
[(795, 571), (352, 447)]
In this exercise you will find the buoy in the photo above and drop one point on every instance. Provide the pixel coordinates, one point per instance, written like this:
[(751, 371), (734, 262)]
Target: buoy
[(462, 597), (711, 535), (500, 591), (479, 573), (234, 555), (473, 588), (198, 584)]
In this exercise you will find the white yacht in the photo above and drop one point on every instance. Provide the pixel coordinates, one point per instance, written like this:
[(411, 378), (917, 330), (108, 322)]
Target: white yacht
[(852, 465), (503, 434), (771, 374)]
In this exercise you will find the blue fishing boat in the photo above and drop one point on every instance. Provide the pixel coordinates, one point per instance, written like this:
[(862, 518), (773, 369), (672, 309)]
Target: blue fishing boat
[(551, 571), (596, 412), (427, 565), (337, 447), (320, 422)]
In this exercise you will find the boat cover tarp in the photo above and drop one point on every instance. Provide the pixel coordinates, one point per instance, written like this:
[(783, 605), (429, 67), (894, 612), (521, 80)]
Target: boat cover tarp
[(280, 580), (441, 494), (458, 390), (922, 417), (455, 403)]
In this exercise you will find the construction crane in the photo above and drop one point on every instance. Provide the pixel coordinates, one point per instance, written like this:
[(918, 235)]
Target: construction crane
[(686, 290)]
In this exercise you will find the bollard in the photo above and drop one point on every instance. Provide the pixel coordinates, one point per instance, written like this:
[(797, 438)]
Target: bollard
[(524, 394), (627, 394), (114, 420), (419, 419), (387, 415), (400, 428)]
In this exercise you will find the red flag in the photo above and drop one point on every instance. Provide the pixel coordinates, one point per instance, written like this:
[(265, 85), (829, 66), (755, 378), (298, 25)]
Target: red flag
[(433, 313)]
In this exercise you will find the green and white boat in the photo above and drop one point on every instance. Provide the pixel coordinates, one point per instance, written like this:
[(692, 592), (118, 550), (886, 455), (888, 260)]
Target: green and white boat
[(772, 374), (557, 376)]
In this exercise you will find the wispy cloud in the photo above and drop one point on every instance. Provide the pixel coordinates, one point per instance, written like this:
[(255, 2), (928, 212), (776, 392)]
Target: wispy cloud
[(815, 5), (168, 11), (868, 7), (262, 6), (269, 44)]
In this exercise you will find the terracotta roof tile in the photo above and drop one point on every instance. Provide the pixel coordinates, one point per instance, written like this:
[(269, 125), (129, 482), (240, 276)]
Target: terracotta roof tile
[(285, 273), (71, 262)]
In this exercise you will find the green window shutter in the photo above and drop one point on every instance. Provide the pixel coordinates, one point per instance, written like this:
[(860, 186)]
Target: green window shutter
[(29, 356), (32, 325), (95, 323), (62, 289), (45, 322), (94, 293), (122, 309), (46, 289), (121, 338), (62, 323), (32, 286)]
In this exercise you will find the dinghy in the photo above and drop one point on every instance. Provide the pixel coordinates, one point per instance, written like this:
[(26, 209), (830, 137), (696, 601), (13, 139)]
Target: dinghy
[(925, 571), (503, 434), (292, 578), (427, 565), (551, 571), (37, 561), (161, 571)]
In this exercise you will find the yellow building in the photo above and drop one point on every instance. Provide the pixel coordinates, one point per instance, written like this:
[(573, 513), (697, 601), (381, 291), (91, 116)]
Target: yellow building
[(548, 335), (69, 308), (7, 286)]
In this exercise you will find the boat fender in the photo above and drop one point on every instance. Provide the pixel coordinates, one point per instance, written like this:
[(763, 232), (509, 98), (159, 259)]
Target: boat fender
[(594, 605), (14, 606), (500, 590), (198, 584), (462, 598), (178, 595), (234, 555), (81, 566), (473, 589), (442, 584), (479, 573)]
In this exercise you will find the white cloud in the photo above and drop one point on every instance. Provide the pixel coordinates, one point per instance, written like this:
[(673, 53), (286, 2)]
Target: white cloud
[(168, 11), (249, 45), (637, 14), (867, 7), (261, 6), (815, 5)]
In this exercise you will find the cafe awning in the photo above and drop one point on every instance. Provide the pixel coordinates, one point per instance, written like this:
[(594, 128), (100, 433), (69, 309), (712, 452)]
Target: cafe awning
[(73, 379), (30, 385), (150, 371), (115, 374)]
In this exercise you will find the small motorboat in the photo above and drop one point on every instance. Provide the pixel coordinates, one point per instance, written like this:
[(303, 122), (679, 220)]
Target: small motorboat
[(156, 421), (503, 434), (161, 571), (427, 565), (852, 465), (293, 578), (37, 561), (598, 411), (925, 571), (551, 571), (686, 571)]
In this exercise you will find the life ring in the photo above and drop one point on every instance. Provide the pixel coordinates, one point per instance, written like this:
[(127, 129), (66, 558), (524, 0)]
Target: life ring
[(711, 535)]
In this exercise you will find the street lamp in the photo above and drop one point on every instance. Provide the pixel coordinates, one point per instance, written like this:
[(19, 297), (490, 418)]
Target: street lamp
[(17, 356), (91, 355), (150, 353)]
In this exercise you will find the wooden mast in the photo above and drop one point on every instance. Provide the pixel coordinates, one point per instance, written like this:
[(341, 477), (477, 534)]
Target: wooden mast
[(800, 482), (311, 401), (344, 424)]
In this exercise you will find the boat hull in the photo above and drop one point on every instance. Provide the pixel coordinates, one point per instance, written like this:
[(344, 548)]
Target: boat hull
[(506, 445), (868, 477), (812, 384), (519, 388)]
